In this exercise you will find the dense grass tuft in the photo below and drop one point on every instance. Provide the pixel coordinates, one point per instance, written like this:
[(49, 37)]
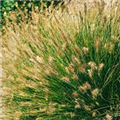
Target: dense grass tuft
[(63, 64)]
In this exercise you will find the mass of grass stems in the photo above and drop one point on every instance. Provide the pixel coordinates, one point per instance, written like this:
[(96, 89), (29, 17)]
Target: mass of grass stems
[(63, 63)]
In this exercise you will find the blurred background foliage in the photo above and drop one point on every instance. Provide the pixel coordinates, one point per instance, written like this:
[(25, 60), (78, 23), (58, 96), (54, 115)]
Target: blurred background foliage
[(8, 5), (5, 7)]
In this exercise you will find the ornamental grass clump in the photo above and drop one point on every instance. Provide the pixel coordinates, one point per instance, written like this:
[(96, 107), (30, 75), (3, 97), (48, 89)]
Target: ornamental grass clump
[(62, 64)]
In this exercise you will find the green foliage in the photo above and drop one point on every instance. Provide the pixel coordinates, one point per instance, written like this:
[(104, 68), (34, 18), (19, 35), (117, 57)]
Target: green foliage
[(5, 7), (10, 5)]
